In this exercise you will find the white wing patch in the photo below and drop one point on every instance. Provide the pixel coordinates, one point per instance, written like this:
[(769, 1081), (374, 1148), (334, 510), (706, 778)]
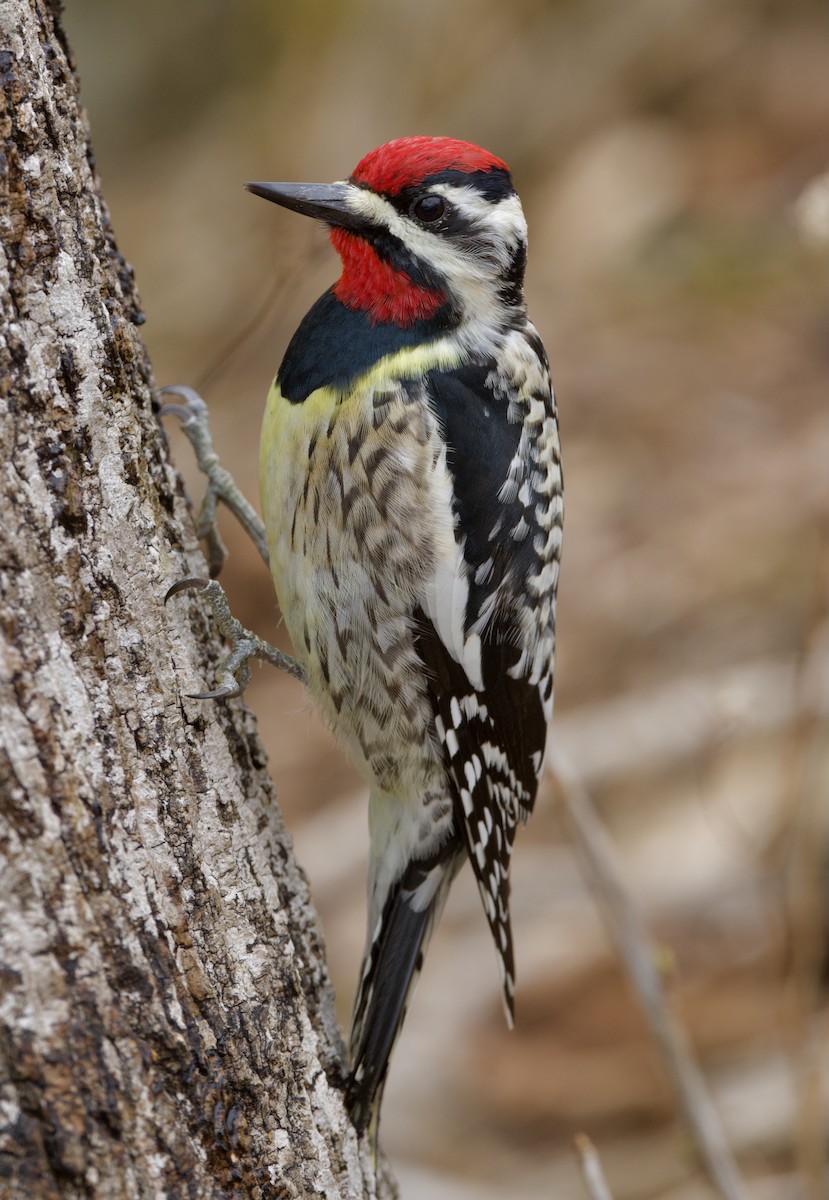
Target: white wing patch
[(446, 592)]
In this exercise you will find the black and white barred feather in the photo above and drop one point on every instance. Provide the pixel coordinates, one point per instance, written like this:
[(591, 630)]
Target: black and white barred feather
[(491, 723)]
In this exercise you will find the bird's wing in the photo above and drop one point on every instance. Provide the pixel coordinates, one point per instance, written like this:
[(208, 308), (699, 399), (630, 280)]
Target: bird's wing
[(485, 626)]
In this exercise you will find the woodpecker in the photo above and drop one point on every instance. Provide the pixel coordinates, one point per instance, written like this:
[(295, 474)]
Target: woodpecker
[(411, 487)]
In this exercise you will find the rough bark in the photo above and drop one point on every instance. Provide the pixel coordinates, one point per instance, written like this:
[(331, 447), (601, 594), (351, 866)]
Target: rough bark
[(166, 1025)]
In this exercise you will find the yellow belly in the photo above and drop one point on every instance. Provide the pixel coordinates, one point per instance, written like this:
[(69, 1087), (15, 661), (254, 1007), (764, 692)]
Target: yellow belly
[(355, 523)]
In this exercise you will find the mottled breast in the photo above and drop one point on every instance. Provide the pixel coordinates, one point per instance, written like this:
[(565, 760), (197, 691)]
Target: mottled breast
[(354, 490)]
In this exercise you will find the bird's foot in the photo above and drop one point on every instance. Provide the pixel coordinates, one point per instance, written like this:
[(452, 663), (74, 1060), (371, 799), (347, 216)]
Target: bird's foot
[(193, 414), (233, 672)]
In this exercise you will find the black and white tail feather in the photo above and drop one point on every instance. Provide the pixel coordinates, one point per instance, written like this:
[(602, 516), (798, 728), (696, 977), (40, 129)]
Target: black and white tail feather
[(392, 964), (492, 742)]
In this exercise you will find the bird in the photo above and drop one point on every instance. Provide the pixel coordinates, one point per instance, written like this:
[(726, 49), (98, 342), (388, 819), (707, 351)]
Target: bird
[(411, 488)]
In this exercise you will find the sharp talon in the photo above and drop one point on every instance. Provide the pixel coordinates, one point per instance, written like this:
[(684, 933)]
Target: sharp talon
[(180, 389), (234, 669), (222, 693), (174, 410), (196, 582), (193, 403)]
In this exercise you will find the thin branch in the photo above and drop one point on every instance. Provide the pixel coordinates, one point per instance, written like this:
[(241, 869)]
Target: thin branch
[(591, 1169), (638, 955), (796, 855)]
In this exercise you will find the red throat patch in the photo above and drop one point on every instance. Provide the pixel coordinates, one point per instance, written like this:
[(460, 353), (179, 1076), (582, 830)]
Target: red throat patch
[(373, 286), (405, 162)]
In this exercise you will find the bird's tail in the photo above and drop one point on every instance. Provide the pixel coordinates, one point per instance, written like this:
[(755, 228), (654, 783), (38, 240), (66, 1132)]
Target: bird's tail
[(391, 967)]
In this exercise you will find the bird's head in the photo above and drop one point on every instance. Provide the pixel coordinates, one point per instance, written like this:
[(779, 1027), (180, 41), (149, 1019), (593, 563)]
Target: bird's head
[(427, 228)]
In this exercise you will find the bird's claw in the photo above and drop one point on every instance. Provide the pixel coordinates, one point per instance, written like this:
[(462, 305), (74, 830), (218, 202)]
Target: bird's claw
[(193, 409), (191, 583), (233, 673), (194, 417), (222, 693)]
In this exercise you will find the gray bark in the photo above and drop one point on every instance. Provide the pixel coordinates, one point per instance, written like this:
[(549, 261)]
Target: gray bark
[(166, 1024)]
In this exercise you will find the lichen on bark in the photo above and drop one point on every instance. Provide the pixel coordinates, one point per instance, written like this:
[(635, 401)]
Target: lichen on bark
[(166, 1023)]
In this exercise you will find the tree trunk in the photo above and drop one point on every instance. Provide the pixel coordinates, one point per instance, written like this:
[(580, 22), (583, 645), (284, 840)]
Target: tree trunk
[(165, 1014)]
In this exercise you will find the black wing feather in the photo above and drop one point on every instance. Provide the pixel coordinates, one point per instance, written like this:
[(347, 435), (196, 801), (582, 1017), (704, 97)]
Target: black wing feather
[(390, 972), (492, 737)]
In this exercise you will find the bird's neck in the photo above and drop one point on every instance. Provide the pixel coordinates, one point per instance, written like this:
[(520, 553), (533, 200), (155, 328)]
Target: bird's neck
[(385, 293)]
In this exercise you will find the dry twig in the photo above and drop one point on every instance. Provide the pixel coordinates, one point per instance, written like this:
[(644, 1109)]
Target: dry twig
[(637, 953), (591, 1169)]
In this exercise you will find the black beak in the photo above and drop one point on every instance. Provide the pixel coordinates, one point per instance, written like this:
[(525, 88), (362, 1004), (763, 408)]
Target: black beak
[(326, 201)]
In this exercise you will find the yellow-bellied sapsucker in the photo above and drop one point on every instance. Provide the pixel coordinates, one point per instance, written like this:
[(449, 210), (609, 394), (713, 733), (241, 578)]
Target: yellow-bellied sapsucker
[(411, 485)]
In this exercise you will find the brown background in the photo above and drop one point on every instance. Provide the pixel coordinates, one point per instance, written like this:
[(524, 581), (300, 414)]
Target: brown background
[(662, 149)]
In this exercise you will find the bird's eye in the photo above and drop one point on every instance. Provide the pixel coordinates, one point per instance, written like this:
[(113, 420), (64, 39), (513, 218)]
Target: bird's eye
[(429, 207)]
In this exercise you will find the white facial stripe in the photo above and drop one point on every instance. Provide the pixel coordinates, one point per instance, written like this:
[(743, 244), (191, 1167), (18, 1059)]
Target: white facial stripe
[(502, 223), (501, 227), (472, 266), (421, 242)]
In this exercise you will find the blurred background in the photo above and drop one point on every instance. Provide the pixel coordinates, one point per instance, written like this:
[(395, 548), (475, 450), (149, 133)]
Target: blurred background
[(671, 157)]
